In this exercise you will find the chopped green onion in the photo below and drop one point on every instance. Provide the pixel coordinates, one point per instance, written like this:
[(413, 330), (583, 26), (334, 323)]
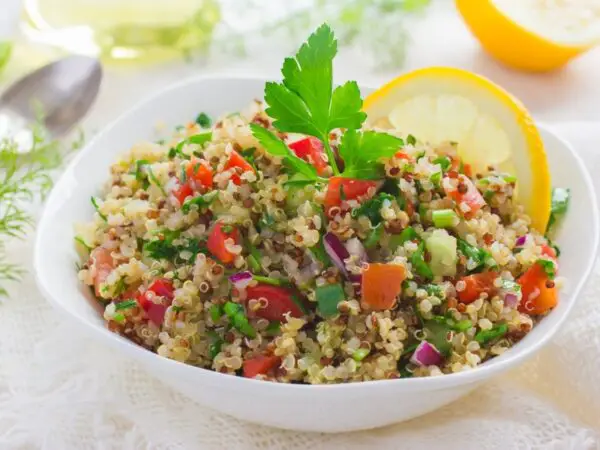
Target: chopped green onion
[(200, 139), (238, 319), (420, 155), (215, 312), (127, 304), (485, 336), (436, 178), (97, 208), (444, 162), (444, 218), (360, 354), (271, 281), (374, 237), (410, 348), (203, 120), (510, 178), (417, 260), (254, 264), (463, 325), (411, 140), (328, 297)]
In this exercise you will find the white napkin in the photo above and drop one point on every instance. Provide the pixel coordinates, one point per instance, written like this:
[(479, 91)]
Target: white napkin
[(61, 390)]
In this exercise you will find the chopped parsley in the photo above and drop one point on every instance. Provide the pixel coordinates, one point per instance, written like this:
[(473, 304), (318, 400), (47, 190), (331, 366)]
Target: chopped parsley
[(97, 208), (203, 120)]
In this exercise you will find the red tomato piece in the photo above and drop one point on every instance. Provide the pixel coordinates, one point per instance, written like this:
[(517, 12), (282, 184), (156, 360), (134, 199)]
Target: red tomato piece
[(199, 174), (156, 311), (280, 301), (381, 286), (539, 295), (401, 155), (260, 365), (548, 251), (477, 284), (102, 261), (237, 161), (352, 190), (467, 193), (311, 149), (216, 242), (182, 192)]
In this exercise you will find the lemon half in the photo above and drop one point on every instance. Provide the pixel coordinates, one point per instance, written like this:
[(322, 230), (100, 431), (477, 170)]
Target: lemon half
[(491, 127), (533, 35)]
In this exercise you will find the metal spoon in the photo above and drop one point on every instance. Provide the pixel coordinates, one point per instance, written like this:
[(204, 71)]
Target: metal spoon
[(63, 91)]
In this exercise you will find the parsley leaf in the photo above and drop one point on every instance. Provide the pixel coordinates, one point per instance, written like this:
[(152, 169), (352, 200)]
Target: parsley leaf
[(361, 152), (203, 120), (200, 201), (277, 147), (305, 101), (549, 268), (372, 208)]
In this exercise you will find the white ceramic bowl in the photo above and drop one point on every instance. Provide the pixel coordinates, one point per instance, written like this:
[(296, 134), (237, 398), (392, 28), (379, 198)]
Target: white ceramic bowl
[(331, 408)]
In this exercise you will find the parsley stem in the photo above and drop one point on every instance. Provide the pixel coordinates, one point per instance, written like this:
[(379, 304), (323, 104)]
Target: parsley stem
[(330, 155)]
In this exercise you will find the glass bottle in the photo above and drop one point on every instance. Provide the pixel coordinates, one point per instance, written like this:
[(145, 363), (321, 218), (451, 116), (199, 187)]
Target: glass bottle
[(124, 29)]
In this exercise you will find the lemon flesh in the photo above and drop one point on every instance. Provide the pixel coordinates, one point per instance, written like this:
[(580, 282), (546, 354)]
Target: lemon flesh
[(490, 127)]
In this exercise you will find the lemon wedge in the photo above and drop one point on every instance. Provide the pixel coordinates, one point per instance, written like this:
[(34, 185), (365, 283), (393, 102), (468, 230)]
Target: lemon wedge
[(490, 127), (533, 35)]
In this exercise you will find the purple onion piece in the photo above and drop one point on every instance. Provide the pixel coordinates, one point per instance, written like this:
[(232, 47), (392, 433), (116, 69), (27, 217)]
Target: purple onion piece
[(511, 300), (356, 281), (336, 251), (521, 240), (426, 355), (241, 280), (356, 248)]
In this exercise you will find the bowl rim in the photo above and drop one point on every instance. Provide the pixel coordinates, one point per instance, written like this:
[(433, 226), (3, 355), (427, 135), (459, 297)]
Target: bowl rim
[(235, 382)]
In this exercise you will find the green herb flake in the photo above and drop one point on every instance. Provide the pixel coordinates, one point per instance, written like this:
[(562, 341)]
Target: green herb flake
[(444, 162), (411, 140), (417, 259), (126, 304), (486, 336), (97, 208), (200, 201), (273, 329), (203, 120), (372, 208), (360, 354), (374, 237), (549, 268)]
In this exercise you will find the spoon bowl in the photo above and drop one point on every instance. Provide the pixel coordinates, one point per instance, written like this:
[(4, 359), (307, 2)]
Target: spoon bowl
[(62, 91)]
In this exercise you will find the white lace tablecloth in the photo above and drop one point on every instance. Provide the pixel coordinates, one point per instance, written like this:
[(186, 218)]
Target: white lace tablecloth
[(61, 390)]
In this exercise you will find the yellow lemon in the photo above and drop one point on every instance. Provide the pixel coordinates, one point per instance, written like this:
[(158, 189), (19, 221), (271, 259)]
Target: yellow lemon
[(489, 125), (533, 35)]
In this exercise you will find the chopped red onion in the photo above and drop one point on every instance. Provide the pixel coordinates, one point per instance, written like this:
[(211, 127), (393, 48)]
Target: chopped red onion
[(241, 280), (336, 251), (356, 281), (511, 300), (426, 355), (521, 240), (356, 248)]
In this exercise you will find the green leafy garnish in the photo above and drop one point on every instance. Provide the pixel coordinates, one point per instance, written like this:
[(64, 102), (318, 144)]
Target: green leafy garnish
[(127, 304), (201, 201), (496, 332), (215, 312), (479, 256), (203, 120), (434, 289), (417, 260), (362, 152), (328, 297), (549, 267), (277, 147), (436, 333), (560, 205), (216, 342), (97, 208), (162, 246), (411, 140), (372, 208), (444, 162), (238, 319), (408, 234), (274, 328), (305, 102), (271, 281), (373, 237), (320, 254)]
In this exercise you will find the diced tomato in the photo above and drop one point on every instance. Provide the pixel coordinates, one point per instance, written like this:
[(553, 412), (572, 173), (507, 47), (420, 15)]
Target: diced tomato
[(548, 251), (183, 192), (199, 174), (156, 311), (236, 160), (311, 149), (539, 295), (352, 189), (381, 286), (467, 170), (103, 263), (475, 285), (280, 301), (468, 194), (401, 155), (216, 242), (260, 365)]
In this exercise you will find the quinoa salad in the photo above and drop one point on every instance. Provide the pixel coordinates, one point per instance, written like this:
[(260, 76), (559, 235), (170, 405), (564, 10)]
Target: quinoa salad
[(314, 249)]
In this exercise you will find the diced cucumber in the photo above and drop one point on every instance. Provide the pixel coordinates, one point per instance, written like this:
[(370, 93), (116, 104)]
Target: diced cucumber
[(442, 248)]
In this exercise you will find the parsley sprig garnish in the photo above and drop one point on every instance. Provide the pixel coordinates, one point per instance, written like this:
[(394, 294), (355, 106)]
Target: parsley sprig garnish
[(306, 102)]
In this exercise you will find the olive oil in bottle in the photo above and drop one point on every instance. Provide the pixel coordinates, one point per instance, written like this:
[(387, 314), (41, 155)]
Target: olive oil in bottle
[(124, 29)]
